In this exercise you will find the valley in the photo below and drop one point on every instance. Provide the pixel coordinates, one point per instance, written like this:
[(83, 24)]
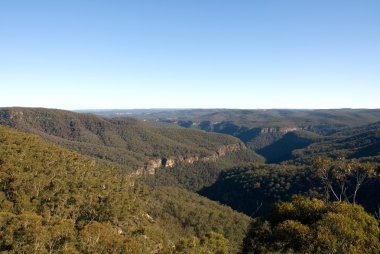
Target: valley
[(173, 181), (272, 133)]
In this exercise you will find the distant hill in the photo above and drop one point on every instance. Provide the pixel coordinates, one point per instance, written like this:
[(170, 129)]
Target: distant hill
[(319, 120), (358, 142), (264, 131), (81, 192), (245, 188), (129, 142)]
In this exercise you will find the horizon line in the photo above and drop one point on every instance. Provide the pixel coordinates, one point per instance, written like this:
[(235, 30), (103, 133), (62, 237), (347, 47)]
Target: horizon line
[(191, 108)]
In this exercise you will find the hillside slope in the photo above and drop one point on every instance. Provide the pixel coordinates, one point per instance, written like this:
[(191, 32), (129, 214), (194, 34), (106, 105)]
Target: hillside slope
[(128, 142), (253, 189), (281, 149), (358, 142), (60, 196), (52, 199), (318, 120), (261, 130)]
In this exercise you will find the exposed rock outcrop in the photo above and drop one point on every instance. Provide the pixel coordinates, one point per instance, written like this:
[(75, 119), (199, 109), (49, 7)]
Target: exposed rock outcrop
[(151, 166), (278, 130)]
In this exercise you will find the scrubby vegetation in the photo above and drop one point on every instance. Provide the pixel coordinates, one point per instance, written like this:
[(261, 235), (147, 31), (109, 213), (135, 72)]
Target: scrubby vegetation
[(253, 189), (56, 201), (281, 149), (360, 143), (183, 214), (199, 175), (306, 225)]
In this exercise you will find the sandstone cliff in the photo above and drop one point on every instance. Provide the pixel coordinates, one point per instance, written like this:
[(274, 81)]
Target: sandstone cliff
[(151, 166)]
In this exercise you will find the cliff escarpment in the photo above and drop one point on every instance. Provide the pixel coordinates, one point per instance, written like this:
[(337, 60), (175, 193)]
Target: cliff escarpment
[(151, 166)]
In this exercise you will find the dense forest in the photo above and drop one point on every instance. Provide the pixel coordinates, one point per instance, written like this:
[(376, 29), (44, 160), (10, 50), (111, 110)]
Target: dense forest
[(56, 201), (361, 143), (276, 181)]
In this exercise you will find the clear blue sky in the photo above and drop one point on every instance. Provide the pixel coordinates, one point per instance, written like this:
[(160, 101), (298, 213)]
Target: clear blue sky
[(81, 54)]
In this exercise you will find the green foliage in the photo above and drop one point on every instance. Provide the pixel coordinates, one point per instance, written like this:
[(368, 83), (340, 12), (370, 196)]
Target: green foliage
[(360, 142), (253, 188), (306, 225), (56, 201), (281, 149), (30, 233), (196, 176), (320, 121), (52, 181), (185, 214), (252, 126), (125, 141), (211, 243), (50, 196), (342, 178)]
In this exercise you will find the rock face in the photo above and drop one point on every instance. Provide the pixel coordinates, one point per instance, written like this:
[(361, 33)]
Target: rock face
[(151, 166), (278, 130)]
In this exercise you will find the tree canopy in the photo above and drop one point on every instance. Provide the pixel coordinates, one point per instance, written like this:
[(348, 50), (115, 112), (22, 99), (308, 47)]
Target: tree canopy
[(305, 225)]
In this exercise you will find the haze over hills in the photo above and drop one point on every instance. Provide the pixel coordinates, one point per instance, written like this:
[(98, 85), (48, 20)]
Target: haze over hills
[(310, 119), (261, 130)]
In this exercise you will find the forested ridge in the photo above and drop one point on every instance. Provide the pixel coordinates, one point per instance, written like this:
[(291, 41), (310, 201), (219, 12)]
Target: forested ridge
[(273, 133), (125, 141), (70, 187), (361, 143)]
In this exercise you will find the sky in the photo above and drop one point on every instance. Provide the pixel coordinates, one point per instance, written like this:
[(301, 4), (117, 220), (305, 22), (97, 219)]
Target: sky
[(93, 54)]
